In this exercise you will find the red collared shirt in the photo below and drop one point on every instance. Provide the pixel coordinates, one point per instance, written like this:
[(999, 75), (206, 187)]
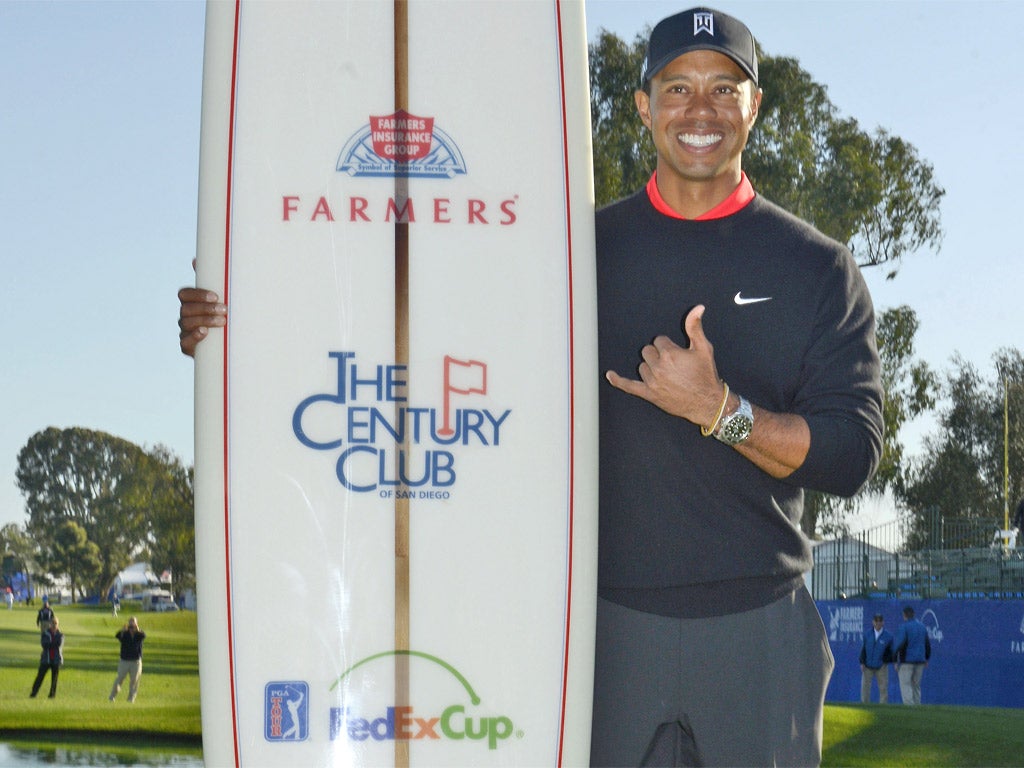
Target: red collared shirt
[(740, 196)]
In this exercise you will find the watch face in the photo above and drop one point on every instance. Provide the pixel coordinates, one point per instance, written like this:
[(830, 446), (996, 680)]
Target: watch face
[(736, 429), (737, 426)]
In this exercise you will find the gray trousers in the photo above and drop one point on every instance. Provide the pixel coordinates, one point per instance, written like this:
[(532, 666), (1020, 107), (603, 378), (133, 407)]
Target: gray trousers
[(745, 689), (910, 682)]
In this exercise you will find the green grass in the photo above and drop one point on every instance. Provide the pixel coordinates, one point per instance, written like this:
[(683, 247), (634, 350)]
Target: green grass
[(166, 713), (167, 706), (928, 736)]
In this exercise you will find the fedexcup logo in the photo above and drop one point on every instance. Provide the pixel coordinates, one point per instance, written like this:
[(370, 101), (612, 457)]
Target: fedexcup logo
[(460, 720), (401, 144)]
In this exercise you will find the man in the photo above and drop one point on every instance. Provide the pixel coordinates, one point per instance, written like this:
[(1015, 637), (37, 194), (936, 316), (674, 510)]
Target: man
[(709, 648), (52, 657), (708, 644), (130, 663), (44, 615), (875, 657), (913, 649)]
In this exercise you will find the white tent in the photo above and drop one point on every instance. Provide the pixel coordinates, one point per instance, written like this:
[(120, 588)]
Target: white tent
[(139, 579), (137, 573)]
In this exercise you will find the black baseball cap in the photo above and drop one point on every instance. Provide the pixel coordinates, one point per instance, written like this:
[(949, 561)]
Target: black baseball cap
[(699, 29), (880, 616)]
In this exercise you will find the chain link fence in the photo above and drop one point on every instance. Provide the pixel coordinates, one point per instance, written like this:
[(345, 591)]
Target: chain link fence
[(958, 559)]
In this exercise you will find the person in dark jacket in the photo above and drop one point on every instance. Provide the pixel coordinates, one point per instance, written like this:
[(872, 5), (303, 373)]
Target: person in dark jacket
[(130, 663), (913, 650), (875, 657), (51, 658), (44, 616)]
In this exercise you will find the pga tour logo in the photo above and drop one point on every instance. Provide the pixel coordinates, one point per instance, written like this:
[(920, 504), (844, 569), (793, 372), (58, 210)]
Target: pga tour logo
[(401, 145), (286, 711)]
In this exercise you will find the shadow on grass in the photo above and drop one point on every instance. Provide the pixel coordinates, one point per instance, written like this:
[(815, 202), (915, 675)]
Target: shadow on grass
[(925, 736)]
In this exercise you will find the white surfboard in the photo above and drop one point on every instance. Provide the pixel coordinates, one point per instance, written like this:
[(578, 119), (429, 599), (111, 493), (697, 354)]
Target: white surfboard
[(396, 433)]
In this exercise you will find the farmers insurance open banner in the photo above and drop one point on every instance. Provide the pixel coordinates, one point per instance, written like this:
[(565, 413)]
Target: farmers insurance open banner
[(977, 649)]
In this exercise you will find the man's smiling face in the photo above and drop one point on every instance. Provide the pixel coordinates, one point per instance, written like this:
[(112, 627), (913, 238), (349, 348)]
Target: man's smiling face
[(700, 110)]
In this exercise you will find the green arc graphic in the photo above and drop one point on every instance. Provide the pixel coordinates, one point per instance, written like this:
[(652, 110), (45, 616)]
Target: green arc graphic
[(440, 662)]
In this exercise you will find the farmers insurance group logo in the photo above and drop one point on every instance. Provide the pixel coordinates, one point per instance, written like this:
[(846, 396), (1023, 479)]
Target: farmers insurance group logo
[(401, 144)]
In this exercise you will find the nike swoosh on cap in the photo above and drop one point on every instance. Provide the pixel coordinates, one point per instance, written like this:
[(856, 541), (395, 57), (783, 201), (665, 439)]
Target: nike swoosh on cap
[(741, 300)]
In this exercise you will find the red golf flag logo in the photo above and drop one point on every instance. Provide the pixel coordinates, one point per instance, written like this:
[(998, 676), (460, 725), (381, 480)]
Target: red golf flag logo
[(461, 377), (401, 137)]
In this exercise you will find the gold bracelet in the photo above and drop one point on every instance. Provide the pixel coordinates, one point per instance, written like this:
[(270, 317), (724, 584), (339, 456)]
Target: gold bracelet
[(709, 431)]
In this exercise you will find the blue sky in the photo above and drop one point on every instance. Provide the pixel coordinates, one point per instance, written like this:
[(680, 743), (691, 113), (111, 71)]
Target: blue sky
[(100, 137)]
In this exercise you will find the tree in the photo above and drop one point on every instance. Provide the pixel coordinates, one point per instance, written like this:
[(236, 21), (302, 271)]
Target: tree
[(960, 476), (870, 191), (910, 388), (172, 519), (93, 479), (623, 150), (128, 501), (19, 553), (904, 217), (70, 553), (803, 157)]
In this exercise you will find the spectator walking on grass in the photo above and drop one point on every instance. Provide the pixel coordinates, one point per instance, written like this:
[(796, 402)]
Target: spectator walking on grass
[(52, 657), (130, 664)]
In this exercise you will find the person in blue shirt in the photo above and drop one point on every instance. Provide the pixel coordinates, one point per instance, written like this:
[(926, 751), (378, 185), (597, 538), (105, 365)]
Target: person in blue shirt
[(913, 649), (875, 657)]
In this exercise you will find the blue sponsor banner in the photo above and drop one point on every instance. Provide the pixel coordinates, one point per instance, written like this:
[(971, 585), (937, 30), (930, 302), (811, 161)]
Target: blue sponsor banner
[(977, 649)]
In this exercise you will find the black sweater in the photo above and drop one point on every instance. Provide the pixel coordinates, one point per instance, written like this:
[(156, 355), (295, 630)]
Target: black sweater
[(688, 527), (131, 644)]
